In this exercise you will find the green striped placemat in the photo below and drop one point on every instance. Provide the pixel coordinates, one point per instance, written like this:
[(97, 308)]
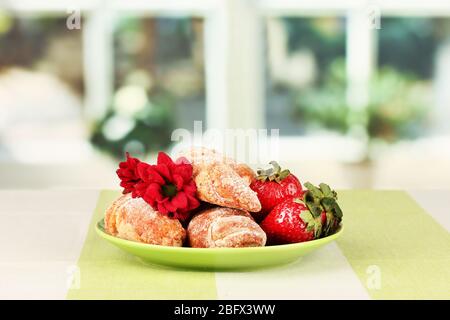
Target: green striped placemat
[(106, 272), (397, 249)]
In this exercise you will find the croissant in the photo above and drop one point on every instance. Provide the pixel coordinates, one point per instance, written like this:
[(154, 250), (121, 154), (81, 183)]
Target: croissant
[(222, 181), (134, 219), (203, 156), (225, 227)]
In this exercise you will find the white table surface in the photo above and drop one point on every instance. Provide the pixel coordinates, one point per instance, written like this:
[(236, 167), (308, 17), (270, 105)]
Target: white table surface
[(42, 233)]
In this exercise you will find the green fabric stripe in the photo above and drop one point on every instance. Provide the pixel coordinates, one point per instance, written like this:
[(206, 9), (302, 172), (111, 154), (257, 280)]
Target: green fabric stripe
[(108, 273), (387, 231)]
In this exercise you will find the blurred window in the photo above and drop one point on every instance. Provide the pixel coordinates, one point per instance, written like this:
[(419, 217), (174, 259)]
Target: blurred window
[(303, 57), (414, 56), (159, 83), (41, 89)]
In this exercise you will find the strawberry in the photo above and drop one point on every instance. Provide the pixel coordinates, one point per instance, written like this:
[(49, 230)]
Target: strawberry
[(284, 224), (311, 216), (273, 186)]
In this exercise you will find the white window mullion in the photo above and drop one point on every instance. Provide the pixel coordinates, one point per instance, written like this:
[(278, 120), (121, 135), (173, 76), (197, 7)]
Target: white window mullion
[(360, 57), (98, 62), (246, 65), (234, 66), (216, 47)]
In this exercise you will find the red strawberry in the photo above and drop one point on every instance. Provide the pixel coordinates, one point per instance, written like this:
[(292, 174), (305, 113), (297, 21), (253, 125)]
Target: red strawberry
[(273, 186), (303, 218), (285, 225)]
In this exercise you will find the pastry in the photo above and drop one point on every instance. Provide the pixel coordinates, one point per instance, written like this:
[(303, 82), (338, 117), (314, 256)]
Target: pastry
[(222, 181), (225, 227), (134, 219), (203, 156)]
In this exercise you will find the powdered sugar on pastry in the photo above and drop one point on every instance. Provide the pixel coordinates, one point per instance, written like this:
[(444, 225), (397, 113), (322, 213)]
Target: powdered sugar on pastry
[(222, 181), (225, 227), (134, 219), (200, 156)]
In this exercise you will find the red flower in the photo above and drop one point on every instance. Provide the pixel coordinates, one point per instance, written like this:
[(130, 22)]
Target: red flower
[(167, 186), (128, 174)]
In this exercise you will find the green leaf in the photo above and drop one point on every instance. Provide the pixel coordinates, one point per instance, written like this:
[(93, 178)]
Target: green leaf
[(330, 222), (323, 199), (326, 190), (317, 228), (283, 174), (328, 203), (306, 216), (314, 190), (101, 224), (315, 209), (309, 185), (309, 197), (337, 211), (276, 166)]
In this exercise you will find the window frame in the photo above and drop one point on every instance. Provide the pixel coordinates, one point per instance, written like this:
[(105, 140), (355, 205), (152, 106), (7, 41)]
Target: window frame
[(234, 70)]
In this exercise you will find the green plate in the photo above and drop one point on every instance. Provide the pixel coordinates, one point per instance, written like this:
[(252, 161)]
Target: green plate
[(217, 258)]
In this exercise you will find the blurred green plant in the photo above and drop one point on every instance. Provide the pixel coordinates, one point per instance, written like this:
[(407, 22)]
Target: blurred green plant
[(325, 36), (396, 109), (139, 121), (402, 36)]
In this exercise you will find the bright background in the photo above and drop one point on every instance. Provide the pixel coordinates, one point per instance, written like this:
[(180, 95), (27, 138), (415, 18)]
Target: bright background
[(360, 103)]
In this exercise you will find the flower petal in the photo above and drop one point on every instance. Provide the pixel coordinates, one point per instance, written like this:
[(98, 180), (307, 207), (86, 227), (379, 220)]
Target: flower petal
[(164, 171), (184, 170), (182, 160), (163, 158), (153, 192), (178, 181), (181, 215), (152, 175), (190, 187), (192, 202), (127, 173), (162, 208), (180, 200), (168, 205), (140, 188), (141, 169)]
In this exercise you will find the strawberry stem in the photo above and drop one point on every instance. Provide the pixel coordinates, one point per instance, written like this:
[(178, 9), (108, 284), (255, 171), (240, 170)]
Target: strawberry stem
[(323, 199), (272, 174)]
